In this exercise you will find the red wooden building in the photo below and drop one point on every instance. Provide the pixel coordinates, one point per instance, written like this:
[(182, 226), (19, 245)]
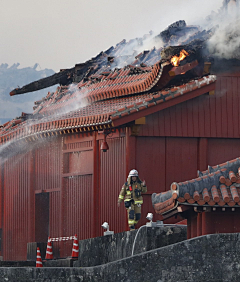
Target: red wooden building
[(166, 121)]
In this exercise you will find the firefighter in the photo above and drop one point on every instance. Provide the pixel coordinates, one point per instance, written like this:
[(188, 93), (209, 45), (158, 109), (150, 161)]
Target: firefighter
[(132, 192)]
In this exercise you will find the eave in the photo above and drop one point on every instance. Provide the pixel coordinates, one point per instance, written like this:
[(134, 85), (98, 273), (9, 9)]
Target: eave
[(52, 129), (153, 105), (148, 104)]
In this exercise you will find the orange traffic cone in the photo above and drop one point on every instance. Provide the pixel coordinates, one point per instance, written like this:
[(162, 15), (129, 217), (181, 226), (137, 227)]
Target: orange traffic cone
[(49, 253), (39, 258), (75, 249)]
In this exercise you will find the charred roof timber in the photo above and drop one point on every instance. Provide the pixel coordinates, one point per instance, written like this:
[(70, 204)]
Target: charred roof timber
[(176, 30), (119, 56)]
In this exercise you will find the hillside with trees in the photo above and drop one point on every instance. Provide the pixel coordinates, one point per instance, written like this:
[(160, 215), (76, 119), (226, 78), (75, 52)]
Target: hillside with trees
[(12, 77)]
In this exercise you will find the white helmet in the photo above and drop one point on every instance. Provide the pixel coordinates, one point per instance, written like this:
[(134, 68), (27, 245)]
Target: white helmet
[(133, 172)]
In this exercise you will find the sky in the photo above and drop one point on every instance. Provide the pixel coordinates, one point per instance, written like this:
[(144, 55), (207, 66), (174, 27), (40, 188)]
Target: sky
[(58, 34)]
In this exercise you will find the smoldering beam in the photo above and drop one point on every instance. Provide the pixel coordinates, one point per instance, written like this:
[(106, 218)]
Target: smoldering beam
[(64, 77), (43, 83)]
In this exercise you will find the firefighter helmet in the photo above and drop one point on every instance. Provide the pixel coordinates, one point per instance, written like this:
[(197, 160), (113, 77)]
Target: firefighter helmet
[(133, 172)]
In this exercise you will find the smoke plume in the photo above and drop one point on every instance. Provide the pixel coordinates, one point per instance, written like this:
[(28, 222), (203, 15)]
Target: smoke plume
[(225, 41)]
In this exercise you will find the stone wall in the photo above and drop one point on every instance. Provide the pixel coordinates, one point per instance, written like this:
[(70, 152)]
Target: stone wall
[(213, 257), (104, 249), (101, 250)]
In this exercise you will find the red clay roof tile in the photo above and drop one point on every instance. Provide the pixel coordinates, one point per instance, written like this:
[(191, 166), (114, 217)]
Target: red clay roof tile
[(234, 193), (208, 190), (232, 176), (205, 194), (52, 110), (215, 194), (196, 196)]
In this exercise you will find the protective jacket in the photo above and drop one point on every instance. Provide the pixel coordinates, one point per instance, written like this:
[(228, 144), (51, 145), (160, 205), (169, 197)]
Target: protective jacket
[(132, 191)]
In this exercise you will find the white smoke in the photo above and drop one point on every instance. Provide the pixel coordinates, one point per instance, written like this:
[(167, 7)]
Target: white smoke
[(80, 102), (134, 47), (19, 148), (225, 41)]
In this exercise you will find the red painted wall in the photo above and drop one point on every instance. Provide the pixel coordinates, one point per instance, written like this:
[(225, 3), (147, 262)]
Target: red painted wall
[(213, 222), (48, 165), (17, 207), (72, 206), (83, 183), (205, 116), (112, 177)]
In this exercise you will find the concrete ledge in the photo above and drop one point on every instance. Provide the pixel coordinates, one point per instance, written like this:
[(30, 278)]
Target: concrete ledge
[(17, 263), (68, 262)]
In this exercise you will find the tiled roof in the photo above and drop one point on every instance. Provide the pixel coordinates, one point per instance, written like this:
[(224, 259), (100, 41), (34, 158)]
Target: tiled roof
[(96, 115), (126, 81), (116, 84), (217, 187)]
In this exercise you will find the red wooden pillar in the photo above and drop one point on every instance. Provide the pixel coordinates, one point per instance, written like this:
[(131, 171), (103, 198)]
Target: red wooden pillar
[(204, 226), (96, 186), (208, 223), (193, 225), (199, 224), (202, 154), (189, 235), (236, 221), (31, 203)]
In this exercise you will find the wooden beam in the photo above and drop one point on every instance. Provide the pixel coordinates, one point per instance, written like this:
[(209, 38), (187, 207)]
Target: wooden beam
[(61, 77), (183, 208), (141, 120), (182, 69), (198, 209), (207, 209), (170, 214)]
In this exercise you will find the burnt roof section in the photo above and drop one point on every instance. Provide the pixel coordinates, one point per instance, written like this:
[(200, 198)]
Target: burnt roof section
[(116, 83), (125, 53)]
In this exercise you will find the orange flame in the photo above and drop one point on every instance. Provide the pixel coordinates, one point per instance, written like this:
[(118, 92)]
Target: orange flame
[(175, 60)]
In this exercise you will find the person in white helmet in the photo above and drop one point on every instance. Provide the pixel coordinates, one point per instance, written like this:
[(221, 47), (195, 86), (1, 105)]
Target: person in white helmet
[(131, 193)]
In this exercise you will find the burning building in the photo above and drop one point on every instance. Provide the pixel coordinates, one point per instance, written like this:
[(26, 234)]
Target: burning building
[(161, 111)]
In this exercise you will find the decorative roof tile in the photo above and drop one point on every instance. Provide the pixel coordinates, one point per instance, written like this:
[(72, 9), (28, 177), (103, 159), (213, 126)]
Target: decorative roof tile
[(220, 188)]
